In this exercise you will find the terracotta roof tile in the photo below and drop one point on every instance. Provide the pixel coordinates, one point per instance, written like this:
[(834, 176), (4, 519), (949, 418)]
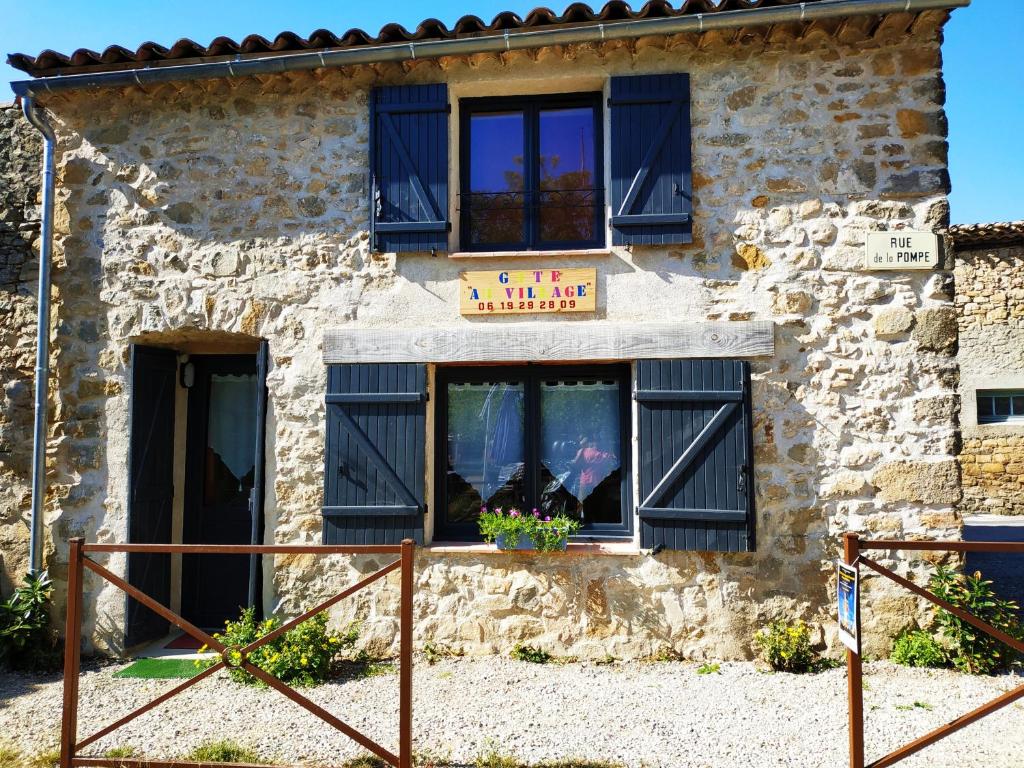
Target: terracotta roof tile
[(968, 236), (116, 56)]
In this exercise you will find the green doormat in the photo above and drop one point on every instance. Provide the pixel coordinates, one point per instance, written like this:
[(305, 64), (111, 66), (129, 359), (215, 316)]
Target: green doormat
[(164, 669)]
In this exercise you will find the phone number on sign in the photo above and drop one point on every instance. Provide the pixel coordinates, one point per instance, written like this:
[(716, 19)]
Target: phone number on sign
[(515, 306)]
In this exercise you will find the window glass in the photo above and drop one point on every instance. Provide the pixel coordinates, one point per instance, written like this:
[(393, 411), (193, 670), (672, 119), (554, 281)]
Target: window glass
[(231, 438), (568, 175), (532, 173), (497, 181), (550, 438), (995, 405), (486, 452), (581, 439)]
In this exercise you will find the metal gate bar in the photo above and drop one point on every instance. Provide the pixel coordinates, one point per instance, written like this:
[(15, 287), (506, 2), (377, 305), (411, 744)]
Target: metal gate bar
[(230, 657), (852, 547)]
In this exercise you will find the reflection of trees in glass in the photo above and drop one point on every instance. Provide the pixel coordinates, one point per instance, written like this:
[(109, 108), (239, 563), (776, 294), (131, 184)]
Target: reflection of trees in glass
[(565, 204)]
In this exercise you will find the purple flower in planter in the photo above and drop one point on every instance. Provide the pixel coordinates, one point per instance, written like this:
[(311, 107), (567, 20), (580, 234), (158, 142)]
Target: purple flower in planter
[(483, 510), (497, 510), (547, 518), (514, 513), (535, 512)]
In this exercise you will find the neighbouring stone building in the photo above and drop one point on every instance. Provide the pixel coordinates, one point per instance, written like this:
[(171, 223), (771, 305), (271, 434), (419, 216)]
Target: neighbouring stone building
[(989, 277), (20, 155), (202, 224)]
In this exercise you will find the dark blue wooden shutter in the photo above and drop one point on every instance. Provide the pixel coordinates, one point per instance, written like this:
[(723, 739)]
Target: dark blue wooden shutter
[(376, 441), (650, 143), (150, 485), (409, 158), (695, 448)]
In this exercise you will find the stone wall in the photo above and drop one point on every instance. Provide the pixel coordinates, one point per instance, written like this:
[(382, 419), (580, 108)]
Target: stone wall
[(241, 208), (20, 161), (990, 314)]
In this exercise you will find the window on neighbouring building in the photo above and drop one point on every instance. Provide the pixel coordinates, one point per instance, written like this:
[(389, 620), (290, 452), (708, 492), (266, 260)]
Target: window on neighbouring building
[(554, 439), (1000, 405), (532, 173)]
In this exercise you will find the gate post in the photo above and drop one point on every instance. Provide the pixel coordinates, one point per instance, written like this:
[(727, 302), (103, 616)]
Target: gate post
[(405, 659), (72, 654), (854, 671)]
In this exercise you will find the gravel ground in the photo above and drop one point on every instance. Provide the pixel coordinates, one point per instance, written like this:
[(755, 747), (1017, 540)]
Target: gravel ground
[(654, 714)]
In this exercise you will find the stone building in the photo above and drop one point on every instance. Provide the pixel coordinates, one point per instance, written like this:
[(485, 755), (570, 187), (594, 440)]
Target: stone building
[(989, 276), (723, 390), (19, 227)]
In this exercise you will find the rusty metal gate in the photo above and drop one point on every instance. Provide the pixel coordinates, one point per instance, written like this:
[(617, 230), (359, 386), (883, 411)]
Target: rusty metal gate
[(853, 546), (230, 657)]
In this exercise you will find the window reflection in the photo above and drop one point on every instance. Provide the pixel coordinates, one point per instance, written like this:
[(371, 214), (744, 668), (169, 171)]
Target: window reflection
[(486, 456), (497, 182), (581, 467), (230, 438), (567, 173)]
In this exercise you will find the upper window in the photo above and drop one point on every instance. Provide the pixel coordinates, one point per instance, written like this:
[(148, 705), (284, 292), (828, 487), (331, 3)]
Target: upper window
[(532, 173), (1000, 405), (552, 439)]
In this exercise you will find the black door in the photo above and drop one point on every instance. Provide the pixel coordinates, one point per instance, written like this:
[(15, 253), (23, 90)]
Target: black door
[(223, 485), (150, 485)]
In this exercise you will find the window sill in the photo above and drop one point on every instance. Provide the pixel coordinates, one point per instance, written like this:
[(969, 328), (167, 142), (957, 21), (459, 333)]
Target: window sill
[(584, 252), (574, 548)]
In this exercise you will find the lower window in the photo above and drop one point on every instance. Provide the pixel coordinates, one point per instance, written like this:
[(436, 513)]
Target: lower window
[(1000, 405), (544, 437)]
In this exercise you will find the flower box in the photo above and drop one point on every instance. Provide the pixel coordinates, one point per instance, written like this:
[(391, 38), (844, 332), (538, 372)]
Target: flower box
[(511, 542), (514, 530)]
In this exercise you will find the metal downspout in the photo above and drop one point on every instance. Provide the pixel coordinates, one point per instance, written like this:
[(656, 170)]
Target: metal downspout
[(511, 40), (35, 549)]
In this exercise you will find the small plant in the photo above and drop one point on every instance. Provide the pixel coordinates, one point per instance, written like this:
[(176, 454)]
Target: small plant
[(434, 652), (972, 650), (708, 668), (365, 761), (666, 653), (302, 656), (606, 660), (548, 534), (115, 752), (493, 757), (917, 648), (787, 647), (26, 638), (531, 654), (49, 758), (224, 752), (916, 705)]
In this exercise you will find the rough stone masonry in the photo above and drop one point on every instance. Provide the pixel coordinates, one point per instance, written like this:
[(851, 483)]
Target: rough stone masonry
[(990, 315), (20, 156), (239, 210)]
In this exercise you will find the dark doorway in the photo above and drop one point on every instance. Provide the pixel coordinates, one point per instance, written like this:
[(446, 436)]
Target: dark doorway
[(150, 485), (223, 484)]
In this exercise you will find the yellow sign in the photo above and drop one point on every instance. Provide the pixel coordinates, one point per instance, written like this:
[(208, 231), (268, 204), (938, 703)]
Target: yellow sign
[(522, 291)]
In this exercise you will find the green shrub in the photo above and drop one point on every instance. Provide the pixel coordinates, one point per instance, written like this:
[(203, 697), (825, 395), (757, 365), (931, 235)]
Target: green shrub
[(972, 650), (918, 648), (787, 647), (115, 752), (547, 533), (530, 653), (707, 668), (303, 655), (26, 639), (224, 752)]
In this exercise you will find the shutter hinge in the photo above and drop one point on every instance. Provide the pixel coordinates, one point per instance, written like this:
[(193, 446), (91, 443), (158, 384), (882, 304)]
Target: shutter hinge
[(741, 480)]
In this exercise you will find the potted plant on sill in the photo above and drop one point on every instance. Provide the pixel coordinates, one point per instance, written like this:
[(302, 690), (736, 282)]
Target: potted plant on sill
[(515, 530)]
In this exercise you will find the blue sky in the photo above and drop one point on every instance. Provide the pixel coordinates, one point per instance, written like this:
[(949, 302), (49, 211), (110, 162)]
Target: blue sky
[(984, 73)]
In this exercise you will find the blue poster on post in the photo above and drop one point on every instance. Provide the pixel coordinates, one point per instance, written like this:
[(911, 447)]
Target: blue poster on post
[(849, 606)]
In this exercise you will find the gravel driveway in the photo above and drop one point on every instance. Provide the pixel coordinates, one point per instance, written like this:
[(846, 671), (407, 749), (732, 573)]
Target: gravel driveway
[(655, 714)]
